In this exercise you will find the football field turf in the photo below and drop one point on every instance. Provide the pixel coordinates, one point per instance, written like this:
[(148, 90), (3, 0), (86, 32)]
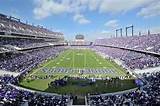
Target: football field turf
[(75, 60), (81, 59)]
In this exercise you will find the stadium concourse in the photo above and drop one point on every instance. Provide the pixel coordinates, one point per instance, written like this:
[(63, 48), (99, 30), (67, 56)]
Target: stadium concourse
[(24, 47)]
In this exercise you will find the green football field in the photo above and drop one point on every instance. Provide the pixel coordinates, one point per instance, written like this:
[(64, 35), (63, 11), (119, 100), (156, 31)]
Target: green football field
[(75, 60)]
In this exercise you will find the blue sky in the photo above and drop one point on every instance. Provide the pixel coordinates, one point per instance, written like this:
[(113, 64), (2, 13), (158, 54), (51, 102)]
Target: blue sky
[(93, 18)]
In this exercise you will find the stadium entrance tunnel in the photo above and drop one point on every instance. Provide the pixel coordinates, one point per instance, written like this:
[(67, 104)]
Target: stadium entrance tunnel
[(79, 100)]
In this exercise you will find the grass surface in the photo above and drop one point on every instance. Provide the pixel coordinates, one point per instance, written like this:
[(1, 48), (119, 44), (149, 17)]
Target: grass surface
[(81, 59), (77, 59)]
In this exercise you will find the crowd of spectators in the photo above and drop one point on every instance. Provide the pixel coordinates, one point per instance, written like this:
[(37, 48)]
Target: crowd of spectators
[(15, 34), (9, 44), (11, 96), (20, 62), (21, 43), (13, 25), (26, 60), (146, 42), (148, 95), (3, 49), (130, 59)]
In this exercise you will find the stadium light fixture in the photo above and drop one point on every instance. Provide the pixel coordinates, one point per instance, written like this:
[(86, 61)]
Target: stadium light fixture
[(120, 32), (129, 28)]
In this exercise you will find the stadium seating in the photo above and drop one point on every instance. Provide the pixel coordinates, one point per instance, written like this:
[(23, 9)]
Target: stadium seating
[(131, 59), (17, 34), (11, 26), (28, 59), (10, 96), (21, 43), (149, 95), (145, 42)]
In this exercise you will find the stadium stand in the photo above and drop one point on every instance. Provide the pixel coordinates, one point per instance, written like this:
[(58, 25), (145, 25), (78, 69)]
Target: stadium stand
[(148, 95), (11, 96), (131, 59), (27, 59), (144, 42), (13, 26), (24, 47)]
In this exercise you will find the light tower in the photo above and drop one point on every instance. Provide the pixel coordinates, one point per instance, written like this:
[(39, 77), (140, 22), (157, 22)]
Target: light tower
[(117, 30), (129, 28), (149, 32)]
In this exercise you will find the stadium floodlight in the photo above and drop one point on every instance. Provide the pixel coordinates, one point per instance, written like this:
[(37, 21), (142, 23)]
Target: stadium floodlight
[(149, 32), (129, 28), (117, 32), (139, 33)]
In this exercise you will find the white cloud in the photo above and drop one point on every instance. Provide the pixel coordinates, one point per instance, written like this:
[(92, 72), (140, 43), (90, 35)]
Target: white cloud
[(45, 8), (150, 11), (81, 19), (114, 6), (94, 4), (112, 24)]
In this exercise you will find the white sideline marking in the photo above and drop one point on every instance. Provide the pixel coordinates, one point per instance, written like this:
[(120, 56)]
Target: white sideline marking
[(40, 68)]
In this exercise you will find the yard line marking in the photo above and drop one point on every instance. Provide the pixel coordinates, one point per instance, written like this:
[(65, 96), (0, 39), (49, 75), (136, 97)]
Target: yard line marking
[(41, 67), (73, 58), (85, 59), (64, 57), (44, 65)]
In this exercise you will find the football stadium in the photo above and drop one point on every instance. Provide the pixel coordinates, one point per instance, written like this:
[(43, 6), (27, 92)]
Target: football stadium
[(40, 66)]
